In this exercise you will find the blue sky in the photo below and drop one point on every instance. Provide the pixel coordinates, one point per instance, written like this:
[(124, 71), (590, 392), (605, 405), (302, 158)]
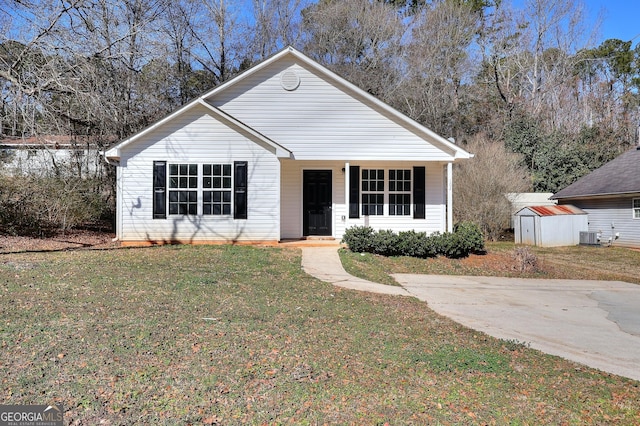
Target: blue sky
[(621, 18)]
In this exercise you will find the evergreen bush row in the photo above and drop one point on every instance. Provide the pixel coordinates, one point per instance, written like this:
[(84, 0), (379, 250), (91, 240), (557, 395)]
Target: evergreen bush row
[(466, 239)]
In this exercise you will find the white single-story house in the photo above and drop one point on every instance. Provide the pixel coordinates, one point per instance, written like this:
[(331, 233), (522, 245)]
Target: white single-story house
[(286, 150), (611, 197)]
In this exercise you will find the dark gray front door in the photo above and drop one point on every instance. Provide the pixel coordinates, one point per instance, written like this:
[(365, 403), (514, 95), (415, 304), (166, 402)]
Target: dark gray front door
[(316, 202)]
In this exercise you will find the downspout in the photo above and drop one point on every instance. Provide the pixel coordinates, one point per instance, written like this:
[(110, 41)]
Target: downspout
[(450, 197)]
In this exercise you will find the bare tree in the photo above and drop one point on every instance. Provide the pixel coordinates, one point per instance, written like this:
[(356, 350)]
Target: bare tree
[(220, 37), (481, 184), (276, 25), (359, 39), (530, 58), (439, 64)]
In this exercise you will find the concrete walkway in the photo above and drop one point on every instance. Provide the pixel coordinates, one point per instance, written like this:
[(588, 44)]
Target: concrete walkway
[(324, 264), (596, 323)]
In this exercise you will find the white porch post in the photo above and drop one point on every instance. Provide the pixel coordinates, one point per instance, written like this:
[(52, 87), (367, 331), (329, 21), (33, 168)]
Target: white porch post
[(346, 195), (449, 197)]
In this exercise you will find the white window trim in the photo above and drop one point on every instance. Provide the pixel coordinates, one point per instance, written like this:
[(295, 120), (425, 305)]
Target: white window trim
[(199, 189), (178, 189), (635, 209), (369, 192), (408, 192), (221, 189), (387, 192)]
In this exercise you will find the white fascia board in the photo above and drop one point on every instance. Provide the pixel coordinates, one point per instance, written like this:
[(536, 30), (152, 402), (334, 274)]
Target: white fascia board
[(278, 149), (112, 153)]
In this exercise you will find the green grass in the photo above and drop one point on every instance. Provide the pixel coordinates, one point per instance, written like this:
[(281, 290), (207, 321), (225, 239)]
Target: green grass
[(577, 262), (236, 335)]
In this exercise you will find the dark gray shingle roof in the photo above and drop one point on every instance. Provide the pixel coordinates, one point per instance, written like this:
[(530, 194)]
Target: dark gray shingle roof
[(619, 176)]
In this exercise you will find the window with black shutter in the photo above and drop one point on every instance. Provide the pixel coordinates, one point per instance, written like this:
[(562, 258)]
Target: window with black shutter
[(240, 176), (354, 192), (159, 189), (419, 193), (212, 189)]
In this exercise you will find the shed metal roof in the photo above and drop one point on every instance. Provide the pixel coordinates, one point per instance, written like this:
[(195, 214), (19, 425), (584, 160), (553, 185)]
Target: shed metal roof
[(565, 209)]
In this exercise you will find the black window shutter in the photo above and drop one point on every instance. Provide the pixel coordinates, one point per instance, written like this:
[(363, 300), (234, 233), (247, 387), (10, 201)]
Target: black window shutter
[(354, 192), (419, 192), (240, 189), (159, 189)]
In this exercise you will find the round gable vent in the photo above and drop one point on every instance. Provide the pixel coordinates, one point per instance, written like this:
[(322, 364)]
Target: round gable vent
[(289, 80)]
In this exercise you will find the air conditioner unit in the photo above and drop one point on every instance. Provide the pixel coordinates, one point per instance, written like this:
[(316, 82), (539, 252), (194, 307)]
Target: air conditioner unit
[(589, 238)]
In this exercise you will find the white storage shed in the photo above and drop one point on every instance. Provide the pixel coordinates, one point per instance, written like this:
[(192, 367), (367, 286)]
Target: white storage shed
[(550, 226)]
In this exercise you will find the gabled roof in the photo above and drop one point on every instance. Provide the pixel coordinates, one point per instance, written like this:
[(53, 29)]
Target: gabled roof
[(114, 152), (619, 176), (443, 144)]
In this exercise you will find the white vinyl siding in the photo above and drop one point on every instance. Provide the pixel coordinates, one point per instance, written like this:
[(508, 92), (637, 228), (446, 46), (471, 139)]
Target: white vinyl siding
[(319, 121), (197, 138)]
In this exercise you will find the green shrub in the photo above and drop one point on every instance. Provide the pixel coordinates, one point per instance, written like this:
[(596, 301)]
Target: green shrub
[(450, 246), (359, 239), (385, 243), (471, 238), (414, 244), (467, 238)]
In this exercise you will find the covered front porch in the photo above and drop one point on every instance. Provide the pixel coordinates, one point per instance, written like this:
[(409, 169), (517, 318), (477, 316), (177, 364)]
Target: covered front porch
[(321, 199)]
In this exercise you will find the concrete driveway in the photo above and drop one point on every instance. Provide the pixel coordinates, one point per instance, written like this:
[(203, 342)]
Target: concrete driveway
[(596, 323)]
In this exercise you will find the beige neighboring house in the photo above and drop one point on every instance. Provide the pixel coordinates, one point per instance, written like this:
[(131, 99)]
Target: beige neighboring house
[(286, 150)]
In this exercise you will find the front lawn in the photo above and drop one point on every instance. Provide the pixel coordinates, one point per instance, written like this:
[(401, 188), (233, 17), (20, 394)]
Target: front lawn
[(235, 335)]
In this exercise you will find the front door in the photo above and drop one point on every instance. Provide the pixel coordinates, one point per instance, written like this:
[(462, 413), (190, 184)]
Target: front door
[(316, 202)]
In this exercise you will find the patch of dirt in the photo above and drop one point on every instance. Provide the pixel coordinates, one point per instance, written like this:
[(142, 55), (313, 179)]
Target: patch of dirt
[(491, 261), (70, 240)]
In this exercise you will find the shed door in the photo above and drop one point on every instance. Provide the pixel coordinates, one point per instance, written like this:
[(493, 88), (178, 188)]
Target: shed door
[(528, 230), (316, 202)]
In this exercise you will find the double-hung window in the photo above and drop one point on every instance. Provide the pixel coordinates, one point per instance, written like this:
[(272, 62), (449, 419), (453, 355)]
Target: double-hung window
[(372, 192), (216, 194), (636, 208), (199, 189), (404, 193), (183, 189), (399, 192)]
